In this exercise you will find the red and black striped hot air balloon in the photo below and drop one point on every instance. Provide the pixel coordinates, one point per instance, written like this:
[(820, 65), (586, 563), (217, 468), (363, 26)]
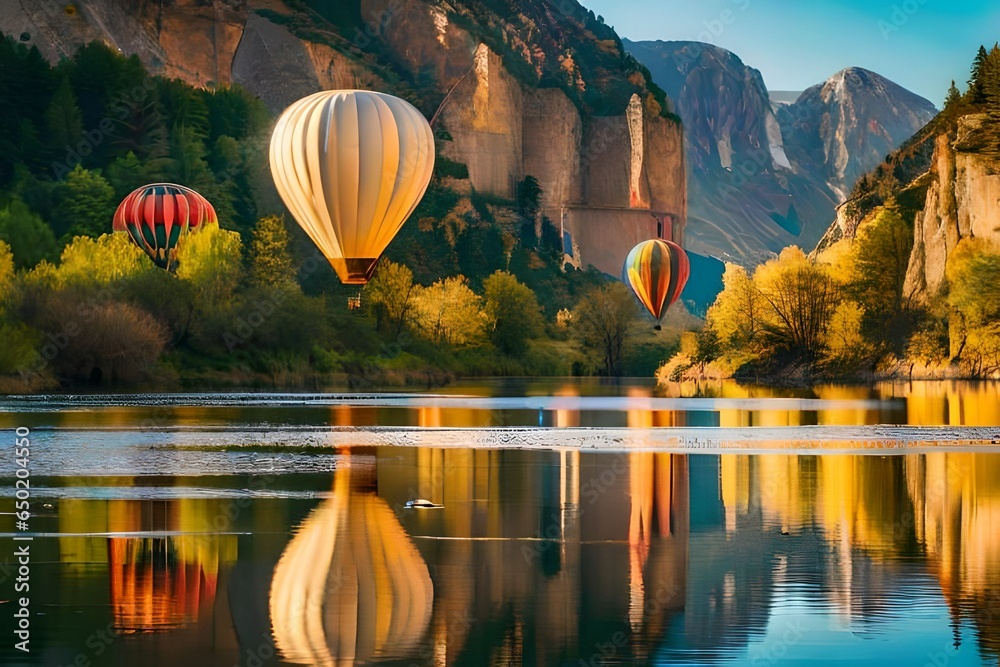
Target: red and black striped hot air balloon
[(657, 272), (157, 215)]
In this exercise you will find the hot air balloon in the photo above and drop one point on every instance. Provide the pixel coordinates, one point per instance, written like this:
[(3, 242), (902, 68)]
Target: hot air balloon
[(350, 587), (351, 165), (657, 271), (157, 215)]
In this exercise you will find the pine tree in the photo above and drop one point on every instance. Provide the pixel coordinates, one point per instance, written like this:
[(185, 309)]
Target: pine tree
[(953, 97), (86, 204), (271, 263), (991, 95), (63, 119), (977, 93)]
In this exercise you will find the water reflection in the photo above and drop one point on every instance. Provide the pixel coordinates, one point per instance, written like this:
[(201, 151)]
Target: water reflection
[(350, 586), (556, 403), (160, 583), (552, 558)]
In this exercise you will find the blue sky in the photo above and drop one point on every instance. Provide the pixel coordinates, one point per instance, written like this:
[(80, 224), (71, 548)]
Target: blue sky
[(920, 44)]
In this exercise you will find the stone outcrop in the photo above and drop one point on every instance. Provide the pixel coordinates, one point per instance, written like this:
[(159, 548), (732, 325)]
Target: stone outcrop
[(963, 197)]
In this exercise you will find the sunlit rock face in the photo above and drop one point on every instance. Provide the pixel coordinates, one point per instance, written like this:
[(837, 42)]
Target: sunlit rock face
[(517, 89), (963, 194), (764, 175)]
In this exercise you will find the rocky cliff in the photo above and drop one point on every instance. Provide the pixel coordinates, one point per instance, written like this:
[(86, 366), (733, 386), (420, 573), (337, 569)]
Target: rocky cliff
[(516, 88), (762, 175)]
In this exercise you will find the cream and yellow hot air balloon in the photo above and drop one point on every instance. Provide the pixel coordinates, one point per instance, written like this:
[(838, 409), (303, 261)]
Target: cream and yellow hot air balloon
[(351, 587), (352, 165)]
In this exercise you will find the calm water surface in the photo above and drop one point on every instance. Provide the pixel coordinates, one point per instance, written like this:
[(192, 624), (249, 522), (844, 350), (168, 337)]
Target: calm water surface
[(568, 524)]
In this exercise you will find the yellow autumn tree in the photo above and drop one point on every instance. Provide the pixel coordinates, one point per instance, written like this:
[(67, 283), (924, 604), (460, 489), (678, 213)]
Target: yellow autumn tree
[(801, 298), (449, 312)]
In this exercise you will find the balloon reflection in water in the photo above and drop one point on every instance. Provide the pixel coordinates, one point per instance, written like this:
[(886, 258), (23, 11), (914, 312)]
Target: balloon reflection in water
[(161, 583), (350, 586)]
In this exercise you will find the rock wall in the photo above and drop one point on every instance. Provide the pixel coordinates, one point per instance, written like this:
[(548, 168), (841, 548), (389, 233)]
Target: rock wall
[(604, 237), (551, 139), (420, 37), (484, 117), (665, 170), (962, 201)]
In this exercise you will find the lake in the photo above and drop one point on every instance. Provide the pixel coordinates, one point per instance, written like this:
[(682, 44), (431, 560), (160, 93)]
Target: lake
[(558, 522)]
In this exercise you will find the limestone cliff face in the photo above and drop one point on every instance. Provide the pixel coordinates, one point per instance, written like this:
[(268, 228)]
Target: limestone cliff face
[(484, 117), (963, 197), (512, 94)]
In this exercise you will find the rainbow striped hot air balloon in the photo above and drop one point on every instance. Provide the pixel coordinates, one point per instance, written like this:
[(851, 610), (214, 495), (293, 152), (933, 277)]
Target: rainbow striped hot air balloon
[(657, 271), (157, 215)]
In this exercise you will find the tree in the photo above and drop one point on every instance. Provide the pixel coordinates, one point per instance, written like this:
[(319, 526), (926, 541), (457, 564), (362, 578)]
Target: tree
[(973, 273), (529, 196), (737, 316), (845, 343), (929, 344), (86, 204), (190, 158), (30, 239), (881, 255), (211, 260), (6, 272), (64, 121), (709, 347), (126, 174), (88, 261), (991, 95), (977, 90), (953, 98), (27, 83), (270, 262), (603, 323), (449, 312), (390, 295), (513, 313), (802, 298), (112, 341)]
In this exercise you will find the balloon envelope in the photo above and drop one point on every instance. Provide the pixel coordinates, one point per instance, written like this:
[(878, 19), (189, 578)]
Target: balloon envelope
[(657, 271), (351, 166), (157, 215)]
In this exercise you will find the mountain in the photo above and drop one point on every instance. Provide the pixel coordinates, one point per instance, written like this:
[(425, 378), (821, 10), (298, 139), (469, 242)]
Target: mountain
[(845, 126), (762, 173), (516, 88)]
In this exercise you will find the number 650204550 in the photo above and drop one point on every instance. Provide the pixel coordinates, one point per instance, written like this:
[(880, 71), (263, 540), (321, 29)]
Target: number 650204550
[(22, 453)]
